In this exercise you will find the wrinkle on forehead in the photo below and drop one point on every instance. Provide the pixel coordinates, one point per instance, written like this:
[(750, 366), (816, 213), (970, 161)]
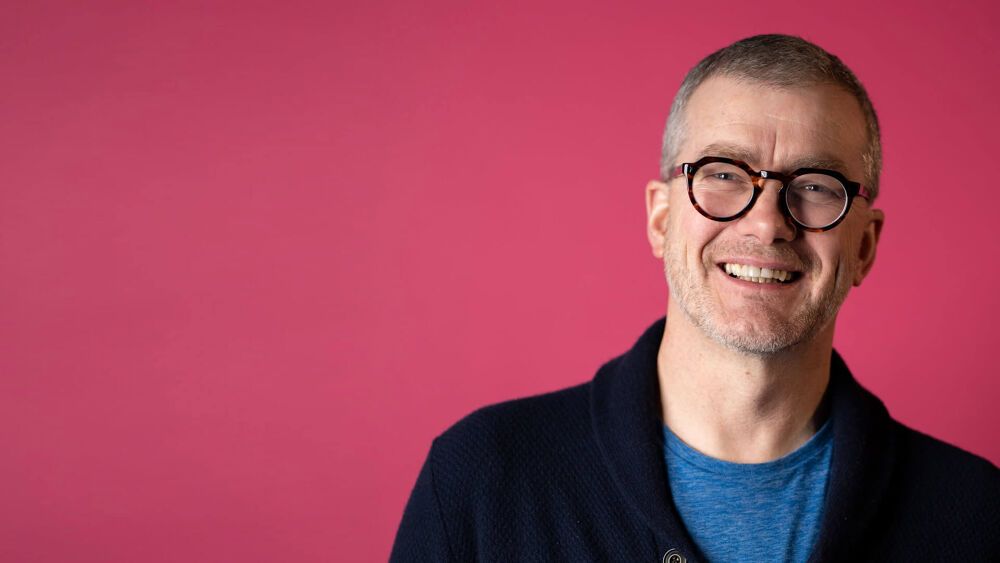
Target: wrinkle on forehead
[(771, 128), (752, 156)]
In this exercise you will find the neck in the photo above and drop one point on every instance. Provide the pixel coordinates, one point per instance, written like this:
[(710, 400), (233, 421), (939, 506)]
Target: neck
[(737, 407)]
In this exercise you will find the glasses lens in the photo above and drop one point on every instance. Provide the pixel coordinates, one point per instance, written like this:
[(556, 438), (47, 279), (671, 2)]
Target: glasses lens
[(722, 190), (816, 200)]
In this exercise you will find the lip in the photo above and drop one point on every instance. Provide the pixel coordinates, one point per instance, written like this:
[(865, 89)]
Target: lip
[(759, 264), (760, 286)]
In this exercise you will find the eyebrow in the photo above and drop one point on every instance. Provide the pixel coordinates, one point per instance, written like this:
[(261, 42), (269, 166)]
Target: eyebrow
[(737, 152)]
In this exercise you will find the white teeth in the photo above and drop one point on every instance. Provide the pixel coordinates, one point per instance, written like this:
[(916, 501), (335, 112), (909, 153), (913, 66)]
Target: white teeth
[(755, 274)]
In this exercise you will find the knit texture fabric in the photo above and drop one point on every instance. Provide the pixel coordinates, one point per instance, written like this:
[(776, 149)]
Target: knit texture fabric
[(579, 475)]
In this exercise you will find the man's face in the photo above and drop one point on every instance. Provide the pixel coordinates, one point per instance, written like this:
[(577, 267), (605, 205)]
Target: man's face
[(779, 130)]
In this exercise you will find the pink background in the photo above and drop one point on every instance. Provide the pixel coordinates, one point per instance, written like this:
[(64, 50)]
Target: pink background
[(256, 256)]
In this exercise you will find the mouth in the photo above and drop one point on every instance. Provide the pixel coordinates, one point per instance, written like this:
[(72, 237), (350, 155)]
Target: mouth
[(756, 274)]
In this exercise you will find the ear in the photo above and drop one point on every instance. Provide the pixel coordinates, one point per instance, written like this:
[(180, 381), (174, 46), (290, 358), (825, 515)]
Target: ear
[(657, 207), (869, 242)]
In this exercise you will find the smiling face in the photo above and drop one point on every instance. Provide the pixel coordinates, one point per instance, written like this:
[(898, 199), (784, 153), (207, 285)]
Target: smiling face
[(715, 269)]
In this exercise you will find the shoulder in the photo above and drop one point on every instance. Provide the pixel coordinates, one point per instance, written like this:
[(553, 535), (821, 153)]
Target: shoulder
[(506, 450), (519, 427), (934, 455), (928, 458), (944, 491), (485, 474)]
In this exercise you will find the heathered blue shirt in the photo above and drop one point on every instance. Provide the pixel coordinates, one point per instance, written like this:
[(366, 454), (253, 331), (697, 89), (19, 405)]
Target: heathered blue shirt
[(751, 511)]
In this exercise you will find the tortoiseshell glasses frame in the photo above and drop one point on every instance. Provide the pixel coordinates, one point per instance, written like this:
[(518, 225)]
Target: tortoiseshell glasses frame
[(758, 177)]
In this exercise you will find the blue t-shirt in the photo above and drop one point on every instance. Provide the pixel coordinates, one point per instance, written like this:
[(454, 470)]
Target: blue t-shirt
[(751, 511)]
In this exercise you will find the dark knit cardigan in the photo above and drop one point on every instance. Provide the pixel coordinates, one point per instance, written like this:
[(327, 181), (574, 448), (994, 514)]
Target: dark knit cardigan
[(579, 475)]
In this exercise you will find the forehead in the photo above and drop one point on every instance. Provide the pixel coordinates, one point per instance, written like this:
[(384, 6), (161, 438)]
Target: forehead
[(771, 127)]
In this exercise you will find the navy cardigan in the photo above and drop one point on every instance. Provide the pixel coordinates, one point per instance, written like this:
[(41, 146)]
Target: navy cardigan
[(579, 475)]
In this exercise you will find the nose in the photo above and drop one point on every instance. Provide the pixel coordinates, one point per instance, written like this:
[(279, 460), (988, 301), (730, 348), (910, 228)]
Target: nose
[(765, 220)]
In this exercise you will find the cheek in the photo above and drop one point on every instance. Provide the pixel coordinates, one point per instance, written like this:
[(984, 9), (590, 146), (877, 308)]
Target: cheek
[(850, 245), (696, 236), (838, 258)]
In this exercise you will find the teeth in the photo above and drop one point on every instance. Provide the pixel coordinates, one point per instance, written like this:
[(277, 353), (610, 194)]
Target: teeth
[(755, 274)]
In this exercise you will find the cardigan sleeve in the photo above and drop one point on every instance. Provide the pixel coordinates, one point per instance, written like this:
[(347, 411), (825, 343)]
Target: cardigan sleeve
[(422, 535)]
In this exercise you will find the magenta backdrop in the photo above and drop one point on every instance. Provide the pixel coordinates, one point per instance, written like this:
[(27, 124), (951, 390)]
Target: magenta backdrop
[(255, 257)]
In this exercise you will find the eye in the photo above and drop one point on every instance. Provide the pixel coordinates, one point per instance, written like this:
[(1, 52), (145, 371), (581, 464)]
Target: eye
[(816, 189), (725, 176)]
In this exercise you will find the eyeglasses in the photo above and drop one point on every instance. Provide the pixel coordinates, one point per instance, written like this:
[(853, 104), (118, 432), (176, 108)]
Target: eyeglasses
[(723, 189)]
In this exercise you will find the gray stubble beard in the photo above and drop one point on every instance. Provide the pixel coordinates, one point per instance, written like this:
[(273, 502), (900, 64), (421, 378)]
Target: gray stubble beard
[(746, 338)]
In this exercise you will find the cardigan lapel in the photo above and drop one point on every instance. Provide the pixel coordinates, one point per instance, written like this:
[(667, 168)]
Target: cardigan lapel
[(864, 455), (625, 414)]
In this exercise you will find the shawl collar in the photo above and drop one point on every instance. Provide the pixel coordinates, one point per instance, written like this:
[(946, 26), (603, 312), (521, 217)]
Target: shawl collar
[(625, 414)]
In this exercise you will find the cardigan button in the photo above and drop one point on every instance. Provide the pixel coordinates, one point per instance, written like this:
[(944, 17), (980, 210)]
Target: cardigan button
[(673, 556)]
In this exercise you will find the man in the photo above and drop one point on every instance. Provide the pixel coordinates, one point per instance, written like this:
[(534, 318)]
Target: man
[(731, 431)]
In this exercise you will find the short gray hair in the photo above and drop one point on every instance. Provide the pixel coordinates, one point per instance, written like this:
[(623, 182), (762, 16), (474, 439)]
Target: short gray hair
[(783, 61)]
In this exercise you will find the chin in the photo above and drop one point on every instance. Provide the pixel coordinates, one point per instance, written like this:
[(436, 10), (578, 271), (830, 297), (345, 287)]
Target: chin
[(757, 337), (756, 344)]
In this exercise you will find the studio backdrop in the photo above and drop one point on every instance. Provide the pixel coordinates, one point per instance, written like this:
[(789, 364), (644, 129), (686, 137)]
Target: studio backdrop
[(256, 255)]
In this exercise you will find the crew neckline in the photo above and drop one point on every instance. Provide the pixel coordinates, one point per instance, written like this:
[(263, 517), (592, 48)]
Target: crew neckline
[(813, 447)]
